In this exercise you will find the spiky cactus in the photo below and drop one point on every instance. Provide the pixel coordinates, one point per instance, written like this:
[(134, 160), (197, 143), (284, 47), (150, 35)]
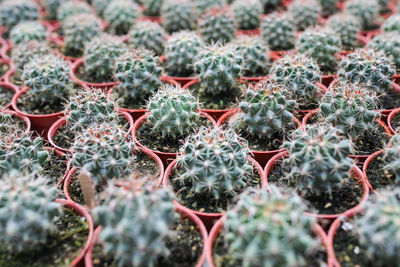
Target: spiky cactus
[(217, 25), (27, 31), (392, 156), (172, 112), (367, 11), (147, 35), (13, 12), (392, 24), (350, 108), (51, 7), (368, 67), (180, 52), (255, 55), (136, 224), (121, 15), (270, 5), (346, 27), (178, 15), (7, 124), (152, 7), (318, 159), (29, 209), (266, 109), (305, 13), (72, 8), (388, 44), (383, 5), (329, 7), (206, 5), (269, 229), (279, 31), (247, 14), (214, 162)]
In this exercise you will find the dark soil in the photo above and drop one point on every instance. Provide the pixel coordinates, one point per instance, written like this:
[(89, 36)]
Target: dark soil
[(5, 96), (71, 52), (17, 125), (4, 68), (153, 140), (185, 248), (377, 176), (26, 104), (170, 72), (61, 247), (396, 123), (82, 75), (371, 142), (56, 168), (125, 101), (390, 100)]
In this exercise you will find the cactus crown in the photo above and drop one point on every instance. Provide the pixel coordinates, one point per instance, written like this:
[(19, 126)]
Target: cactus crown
[(269, 229), (329, 7), (206, 5), (388, 44), (179, 15), (27, 31), (147, 35), (51, 7), (318, 156), (279, 31), (121, 15), (392, 157), (72, 8), (13, 12), (136, 224), (217, 25), (24, 52), (346, 27), (30, 208), (214, 162), (247, 13), (152, 7), (267, 108), (392, 24), (305, 13), (365, 10)]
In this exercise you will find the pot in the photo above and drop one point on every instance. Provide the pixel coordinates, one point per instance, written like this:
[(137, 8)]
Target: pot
[(392, 114), (180, 80), (361, 38), (59, 41), (11, 87), (11, 69), (251, 32)]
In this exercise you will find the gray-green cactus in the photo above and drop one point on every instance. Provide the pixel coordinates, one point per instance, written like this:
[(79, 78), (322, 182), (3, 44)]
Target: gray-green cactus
[(72, 8), (8, 124), (51, 7), (217, 25), (247, 14), (270, 5), (13, 12), (147, 35), (329, 7), (346, 27), (392, 157), (179, 15), (278, 30), (100, 6), (388, 44), (392, 24), (121, 15), (27, 31), (152, 7), (305, 13), (206, 5), (367, 11)]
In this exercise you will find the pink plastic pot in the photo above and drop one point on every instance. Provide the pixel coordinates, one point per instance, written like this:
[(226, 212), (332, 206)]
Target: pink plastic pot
[(328, 79), (356, 174), (185, 214), (79, 260), (367, 163), (180, 80), (11, 69), (361, 38), (11, 87), (253, 32), (208, 218), (5, 48), (261, 157), (166, 157), (392, 114)]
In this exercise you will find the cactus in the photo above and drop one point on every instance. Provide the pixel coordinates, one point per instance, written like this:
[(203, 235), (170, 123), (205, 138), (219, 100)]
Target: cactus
[(299, 74), (203, 6), (321, 44), (367, 11), (214, 162), (178, 15), (255, 55), (391, 155), (138, 73), (318, 159), (217, 25), (181, 51), (136, 224), (13, 12), (329, 7), (147, 35), (7, 124), (172, 112), (378, 228), (388, 44), (270, 5), (368, 67), (350, 108), (383, 5), (121, 15), (27, 31), (346, 27), (72, 8), (51, 7), (104, 151), (152, 7), (266, 109), (247, 14), (269, 229), (30, 209), (100, 55), (305, 13), (392, 24), (278, 30)]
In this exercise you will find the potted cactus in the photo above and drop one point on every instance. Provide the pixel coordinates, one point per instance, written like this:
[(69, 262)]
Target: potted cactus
[(329, 7), (388, 44), (73, 8), (305, 13), (179, 15), (272, 5), (203, 6), (120, 15), (367, 12), (11, 122), (152, 8), (217, 25), (13, 12), (247, 16), (147, 35), (391, 24), (394, 121), (26, 31)]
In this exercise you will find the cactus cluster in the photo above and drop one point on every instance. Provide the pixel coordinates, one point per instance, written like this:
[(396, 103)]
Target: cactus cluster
[(392, 156), (121, 15), (13, 12), (367, 11), (247, 14), (179, 15), (388, 44), (392, 24), (147, 35), (217, 25), (279, 31), (305, 13), (27, 31), (346, 27), (72, 8), (152, 7)]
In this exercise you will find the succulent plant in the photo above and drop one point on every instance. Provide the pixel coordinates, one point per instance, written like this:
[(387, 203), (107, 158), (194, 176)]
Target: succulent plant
[(152, 7), (247, 14), (178, 15), (218, 68), (217, 25), (329, 7), (7, 124), (350, 108), (121, 15), (318, 158), (51, 7), (104, 151), (256, 61), (346, 27), (13, 12), (206, 5), (392, 24), (378, 228), (214, 162), (29, 210), (383, 5), (299, 74), (100, 6), (305, 13), (73, 8), (278, 30), (392, 156), (138, 73), (27, 31), (367, 11), (270, 5), (388, 44), (266, 109), (100, 56), (368, 67), (269, 229), (147, 35), (180, 51), (136, 224)]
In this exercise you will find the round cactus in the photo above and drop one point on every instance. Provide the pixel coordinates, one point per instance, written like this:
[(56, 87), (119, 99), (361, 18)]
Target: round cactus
[(305, 13), (247, 14), (206, 5), (147, 35), (72, 8), (392, 24), (329, 7), (51, 7), (13, 12), (27, 31), (178, 15), (388, 44), (152, 7), (279, 31), (346, 27), (392, 156), (367, 11), (121, 15), (217, 25)]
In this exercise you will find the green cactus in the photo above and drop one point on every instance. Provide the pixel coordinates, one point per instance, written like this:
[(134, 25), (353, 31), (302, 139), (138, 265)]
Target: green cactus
[(51, 7), (346, 27), (7, 124), (269, 229), (388, 44), (329, 7), (178, 15), (217, 25), (72, 8), (270, 5), (350, 108), (147, 35), (152, 7), (180, 51), (367, 11), (206, 5), (121, 15), (247, 14), (278, 30), (27, 31), (305, 13), (100, 6), (368, 67), (172, 112), (318, 159), (214, 162), (392, 156), (392, 24), (29, 211), (13, 12), (136, 224), (321, 44), (383, 5)]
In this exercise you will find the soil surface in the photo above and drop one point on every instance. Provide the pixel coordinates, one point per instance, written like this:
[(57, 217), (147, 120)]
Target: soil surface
[(26, 104), (5, 96), (377, 176), (390, 100), (371, 142), (56, 168), (125, 101), (82, 75), (396, 123)]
